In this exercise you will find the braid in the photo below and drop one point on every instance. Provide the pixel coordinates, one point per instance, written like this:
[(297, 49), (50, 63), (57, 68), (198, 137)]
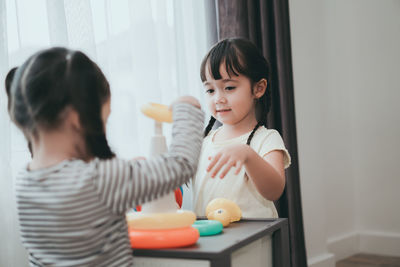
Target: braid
[(252, 132), (209, 126)]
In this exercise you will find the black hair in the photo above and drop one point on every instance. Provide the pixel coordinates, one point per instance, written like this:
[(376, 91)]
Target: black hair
[(240, 57), (8, 81), (49, 82)]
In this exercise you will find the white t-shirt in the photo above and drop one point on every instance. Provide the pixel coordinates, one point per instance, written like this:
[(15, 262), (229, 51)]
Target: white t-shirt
[(238, 188)]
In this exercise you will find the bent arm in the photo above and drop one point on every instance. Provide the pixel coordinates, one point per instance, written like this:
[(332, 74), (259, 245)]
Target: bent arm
[(267, 173)]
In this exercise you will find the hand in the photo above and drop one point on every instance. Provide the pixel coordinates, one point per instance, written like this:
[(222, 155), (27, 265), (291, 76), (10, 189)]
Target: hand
[(235, 155), (187, 99)]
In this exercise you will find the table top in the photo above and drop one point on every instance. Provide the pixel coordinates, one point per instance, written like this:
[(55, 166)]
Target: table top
[(233, 237)]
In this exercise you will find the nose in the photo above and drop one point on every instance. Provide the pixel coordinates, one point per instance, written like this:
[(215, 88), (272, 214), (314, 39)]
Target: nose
[(220, 97)]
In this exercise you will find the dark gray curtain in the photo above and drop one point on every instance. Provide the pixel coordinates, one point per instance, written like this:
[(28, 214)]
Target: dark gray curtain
[(266, 23)]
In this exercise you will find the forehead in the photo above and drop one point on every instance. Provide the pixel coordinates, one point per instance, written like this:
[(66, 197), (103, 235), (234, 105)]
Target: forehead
[(222, 71)]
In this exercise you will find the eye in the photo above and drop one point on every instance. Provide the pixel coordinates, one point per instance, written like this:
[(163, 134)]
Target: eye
[(210, 91), (230, 88)]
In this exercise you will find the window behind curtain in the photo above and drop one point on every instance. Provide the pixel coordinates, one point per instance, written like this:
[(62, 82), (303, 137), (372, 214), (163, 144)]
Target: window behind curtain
[(150, 51)]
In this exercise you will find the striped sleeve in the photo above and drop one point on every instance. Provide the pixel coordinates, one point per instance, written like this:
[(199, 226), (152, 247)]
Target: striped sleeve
[(123, 184)]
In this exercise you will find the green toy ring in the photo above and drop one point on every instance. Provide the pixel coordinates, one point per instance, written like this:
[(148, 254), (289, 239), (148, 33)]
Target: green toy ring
[(208, 227)]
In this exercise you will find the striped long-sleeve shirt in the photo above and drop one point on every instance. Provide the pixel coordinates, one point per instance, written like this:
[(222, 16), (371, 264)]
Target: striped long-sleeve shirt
[(73, 213)]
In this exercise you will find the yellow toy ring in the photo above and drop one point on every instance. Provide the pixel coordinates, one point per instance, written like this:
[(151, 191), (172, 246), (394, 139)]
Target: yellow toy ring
[(159, 221), (158, 112)]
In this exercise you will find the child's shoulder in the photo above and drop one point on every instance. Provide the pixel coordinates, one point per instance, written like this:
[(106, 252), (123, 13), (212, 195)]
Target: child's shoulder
[(264, 135), (265, 132)]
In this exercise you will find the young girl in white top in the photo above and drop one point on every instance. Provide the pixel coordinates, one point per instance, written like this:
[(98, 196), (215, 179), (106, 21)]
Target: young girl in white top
[(242, 160), (73, 195)]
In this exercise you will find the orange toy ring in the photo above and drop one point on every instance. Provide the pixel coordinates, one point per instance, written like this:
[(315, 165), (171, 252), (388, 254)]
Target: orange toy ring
[(170, 238)]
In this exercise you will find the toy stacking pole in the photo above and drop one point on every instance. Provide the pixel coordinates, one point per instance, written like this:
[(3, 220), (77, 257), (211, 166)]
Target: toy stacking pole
[(160, 113), (158, 143)]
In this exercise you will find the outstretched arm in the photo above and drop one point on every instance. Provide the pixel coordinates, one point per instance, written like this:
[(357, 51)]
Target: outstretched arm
[(266, 172), (124, 184)]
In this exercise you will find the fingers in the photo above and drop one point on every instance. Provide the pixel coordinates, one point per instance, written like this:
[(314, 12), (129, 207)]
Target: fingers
[(221, 162), (239, 166), (226, 169), (224, 160), (214, 160)]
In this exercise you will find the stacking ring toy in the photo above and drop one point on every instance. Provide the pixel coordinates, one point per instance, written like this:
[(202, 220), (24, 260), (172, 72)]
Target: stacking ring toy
[(208, 227), (171, 238), (154, 221), (158, 112), (178, 198)]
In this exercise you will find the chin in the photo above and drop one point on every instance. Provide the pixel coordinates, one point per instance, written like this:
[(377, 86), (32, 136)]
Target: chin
[(225, 121)]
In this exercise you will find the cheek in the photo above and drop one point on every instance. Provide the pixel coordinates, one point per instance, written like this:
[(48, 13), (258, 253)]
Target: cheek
[(210, 104)]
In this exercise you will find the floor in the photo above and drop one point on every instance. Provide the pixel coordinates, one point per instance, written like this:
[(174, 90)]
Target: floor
[(369, 260)]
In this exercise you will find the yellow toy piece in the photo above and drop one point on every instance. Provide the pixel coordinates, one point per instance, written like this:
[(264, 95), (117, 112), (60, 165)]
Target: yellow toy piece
[(223, 210), (158, 112), (159, 221), (220, 215)]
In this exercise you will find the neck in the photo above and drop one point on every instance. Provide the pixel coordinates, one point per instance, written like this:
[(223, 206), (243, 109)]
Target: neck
[(246, 125), (52, 147)]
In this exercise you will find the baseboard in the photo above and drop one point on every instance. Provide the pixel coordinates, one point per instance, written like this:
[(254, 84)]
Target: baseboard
[(324, 260), (344, 246), (381, 243)]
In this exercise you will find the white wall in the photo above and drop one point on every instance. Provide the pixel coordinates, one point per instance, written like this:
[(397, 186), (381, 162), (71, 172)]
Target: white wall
[(346, 63)]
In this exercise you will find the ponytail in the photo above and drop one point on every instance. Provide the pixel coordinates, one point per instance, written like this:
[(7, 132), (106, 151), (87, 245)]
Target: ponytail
[(209, 126), (86, 74), (253, 132), (98, 146), (8, 82)]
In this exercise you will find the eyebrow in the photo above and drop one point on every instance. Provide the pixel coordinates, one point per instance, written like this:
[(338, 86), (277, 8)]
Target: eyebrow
[(224, 81)]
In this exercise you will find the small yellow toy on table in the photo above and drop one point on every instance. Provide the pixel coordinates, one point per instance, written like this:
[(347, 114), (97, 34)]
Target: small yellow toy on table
[(223, 210), (220, 213)]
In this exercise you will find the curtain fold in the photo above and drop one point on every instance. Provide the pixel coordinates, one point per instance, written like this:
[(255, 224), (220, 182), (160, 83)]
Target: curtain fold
[(57, 23), (266, 23)]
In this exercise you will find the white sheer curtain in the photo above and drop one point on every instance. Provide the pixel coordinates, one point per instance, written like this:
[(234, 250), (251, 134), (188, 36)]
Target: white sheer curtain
[(150, 51)]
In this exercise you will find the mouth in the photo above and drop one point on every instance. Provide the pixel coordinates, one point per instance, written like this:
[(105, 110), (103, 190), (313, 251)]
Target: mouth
[(223, 110)]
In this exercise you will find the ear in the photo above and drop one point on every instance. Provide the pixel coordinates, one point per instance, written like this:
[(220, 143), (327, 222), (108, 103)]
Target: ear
[(72, 117), (260, 88)]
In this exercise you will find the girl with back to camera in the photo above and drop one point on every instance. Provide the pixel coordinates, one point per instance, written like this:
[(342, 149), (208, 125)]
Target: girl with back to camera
[(242, 160), (73, 195)]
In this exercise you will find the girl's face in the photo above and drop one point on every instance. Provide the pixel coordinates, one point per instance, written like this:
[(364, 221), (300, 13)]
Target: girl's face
[(230, 99)]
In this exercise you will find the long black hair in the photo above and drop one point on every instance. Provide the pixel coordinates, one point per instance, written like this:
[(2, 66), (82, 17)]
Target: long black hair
[(49, 82), (240, 56)]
